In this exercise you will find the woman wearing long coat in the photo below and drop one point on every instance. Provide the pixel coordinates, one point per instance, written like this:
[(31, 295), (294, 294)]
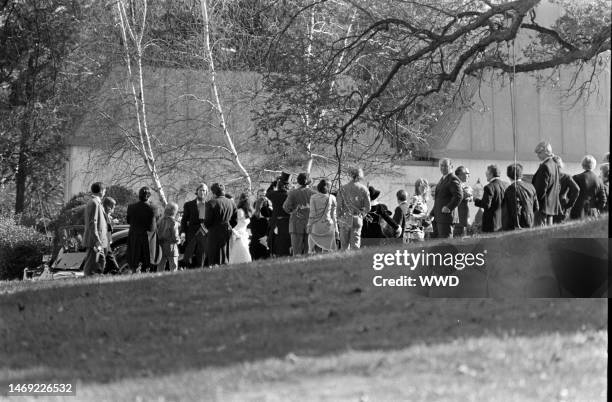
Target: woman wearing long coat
[(141, 218), (278, 232)]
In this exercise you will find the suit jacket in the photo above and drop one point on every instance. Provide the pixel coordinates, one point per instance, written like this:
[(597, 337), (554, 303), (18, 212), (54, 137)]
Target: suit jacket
[(547, 186), (491, 203), (568, 192), (191, 220), (592, 194), (141, 217), (448, 193), (96, 228), (298, 205), (221, 214), (519, 204)]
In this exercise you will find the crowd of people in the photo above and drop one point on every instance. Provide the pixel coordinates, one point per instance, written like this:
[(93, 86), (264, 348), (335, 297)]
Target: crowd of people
[(283, 221)]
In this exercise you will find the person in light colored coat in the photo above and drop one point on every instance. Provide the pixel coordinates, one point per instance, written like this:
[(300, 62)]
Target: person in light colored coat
[(95, 238), (298, 205)]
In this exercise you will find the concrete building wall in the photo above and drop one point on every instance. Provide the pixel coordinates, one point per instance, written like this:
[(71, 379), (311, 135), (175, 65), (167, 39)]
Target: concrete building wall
[(541, 113)]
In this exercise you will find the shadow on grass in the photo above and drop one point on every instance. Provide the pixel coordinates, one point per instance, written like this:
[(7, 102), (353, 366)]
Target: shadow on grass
[(100, 330)]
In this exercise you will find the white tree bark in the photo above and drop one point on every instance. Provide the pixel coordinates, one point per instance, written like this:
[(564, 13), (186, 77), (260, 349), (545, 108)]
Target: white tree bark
[(217, 102), (143, 142)]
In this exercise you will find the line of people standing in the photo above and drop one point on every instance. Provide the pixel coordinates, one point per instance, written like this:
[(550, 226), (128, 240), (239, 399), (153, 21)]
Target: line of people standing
[(552, 197), (284, 221)]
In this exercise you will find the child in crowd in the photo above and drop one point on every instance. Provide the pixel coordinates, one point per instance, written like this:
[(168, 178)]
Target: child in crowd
[(168, 236)]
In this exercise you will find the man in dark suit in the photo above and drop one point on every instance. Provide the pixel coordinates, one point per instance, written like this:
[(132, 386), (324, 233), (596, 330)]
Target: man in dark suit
[(463, 210), (592, 197), (192, 224), (519, 202), (141, 218), (95, 237), (491, 201), (448, 195), (547, 185), (568, 192), (220, 217)]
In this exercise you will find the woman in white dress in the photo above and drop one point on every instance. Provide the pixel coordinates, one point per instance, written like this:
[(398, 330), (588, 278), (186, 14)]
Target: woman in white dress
[(239, 242), (322, 225)]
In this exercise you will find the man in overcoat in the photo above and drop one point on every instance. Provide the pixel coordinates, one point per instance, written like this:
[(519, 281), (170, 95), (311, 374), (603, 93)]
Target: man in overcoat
[(192, 224), (519, 202), (547, 185), (95, 238), (568, 192), (592, 196), (220, 217)]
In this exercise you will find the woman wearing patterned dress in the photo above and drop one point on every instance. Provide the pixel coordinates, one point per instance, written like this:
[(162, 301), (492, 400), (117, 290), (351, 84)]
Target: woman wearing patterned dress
[(417, 212)]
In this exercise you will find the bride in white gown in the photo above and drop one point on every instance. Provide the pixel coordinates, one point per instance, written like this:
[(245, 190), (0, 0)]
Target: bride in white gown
[(239, 242)]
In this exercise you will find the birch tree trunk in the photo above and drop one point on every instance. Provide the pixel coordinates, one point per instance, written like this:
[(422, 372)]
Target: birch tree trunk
[(217, 102), (308, 119), (142, 142)]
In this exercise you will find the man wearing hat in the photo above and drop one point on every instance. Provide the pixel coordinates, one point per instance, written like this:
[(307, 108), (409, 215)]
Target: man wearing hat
[(298, 205), (192, 224), (547, 185), (279, 240), (463, 210)]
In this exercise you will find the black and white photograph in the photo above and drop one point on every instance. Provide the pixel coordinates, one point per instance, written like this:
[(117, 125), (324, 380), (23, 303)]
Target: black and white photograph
[(304, 200)]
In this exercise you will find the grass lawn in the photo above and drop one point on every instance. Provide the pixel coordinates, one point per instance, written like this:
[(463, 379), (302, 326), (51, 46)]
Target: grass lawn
[(302, 329)]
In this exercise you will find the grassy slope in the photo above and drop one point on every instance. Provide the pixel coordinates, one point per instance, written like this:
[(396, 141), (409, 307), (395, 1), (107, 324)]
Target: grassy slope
[(300, 329)]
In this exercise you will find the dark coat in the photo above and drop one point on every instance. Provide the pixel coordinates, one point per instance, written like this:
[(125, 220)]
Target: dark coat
[(491, 203), (448, 193), (568, 192), (141, 218), (372, 228), (279, 239), (190, 222), (592, 195), (221, 216), (547, 186), (402, 212), (518, 207)]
